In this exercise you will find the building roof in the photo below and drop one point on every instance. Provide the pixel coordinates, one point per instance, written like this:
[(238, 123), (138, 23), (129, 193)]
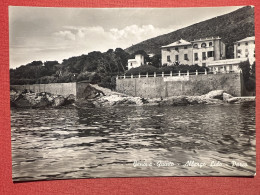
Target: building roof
[(246, 39), (227, 62), (131, 60), (181, 42), (206, 39)]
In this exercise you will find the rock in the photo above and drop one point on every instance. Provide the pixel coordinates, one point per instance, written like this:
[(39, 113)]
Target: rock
[(175, 101), (58, 101), (21, 102), (13, 95), (31, 100), (70, 99), (226, 96), (216, 94), (91, 92), (241, 99)]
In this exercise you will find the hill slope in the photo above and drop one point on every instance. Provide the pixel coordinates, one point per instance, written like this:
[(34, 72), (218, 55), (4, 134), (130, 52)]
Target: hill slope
[(230, 27)]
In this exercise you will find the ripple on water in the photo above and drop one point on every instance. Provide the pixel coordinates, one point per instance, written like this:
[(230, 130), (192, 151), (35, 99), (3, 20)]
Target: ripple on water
[(76, 143)]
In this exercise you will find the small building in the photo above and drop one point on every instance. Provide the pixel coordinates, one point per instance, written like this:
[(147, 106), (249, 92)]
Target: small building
[(199, 51), (245, 48), (226, 66), (136, 62)]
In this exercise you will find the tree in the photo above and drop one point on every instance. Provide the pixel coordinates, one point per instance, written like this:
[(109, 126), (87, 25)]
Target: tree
[(156, 60), (245, 67)]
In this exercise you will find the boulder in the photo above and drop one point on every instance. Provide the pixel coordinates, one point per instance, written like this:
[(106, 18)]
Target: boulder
[(91, 92), (241, 99), (31, 100), (175, 101), (58, 101), (216, 94), (226, 96), (21, 102), (13, 95), (70, 99)]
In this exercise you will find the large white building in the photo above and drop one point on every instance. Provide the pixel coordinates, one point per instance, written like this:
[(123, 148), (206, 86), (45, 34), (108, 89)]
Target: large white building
[(245, 48), (199, 51)]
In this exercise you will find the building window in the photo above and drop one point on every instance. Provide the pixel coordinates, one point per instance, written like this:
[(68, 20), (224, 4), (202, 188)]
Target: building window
[(246, 50), (246, 43), (203, 45), (195, 46), (168, 49), (246, 55), (185, 47), (210, 43), (210, 54), (238, 44), (168, 58), (204, 64), (176, 58), (204, 56), (196, 58), (176, 49), (186, 57), (239, 51)]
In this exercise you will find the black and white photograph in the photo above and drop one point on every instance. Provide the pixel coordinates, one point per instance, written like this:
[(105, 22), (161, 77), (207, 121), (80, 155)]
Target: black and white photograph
[(132, 92)]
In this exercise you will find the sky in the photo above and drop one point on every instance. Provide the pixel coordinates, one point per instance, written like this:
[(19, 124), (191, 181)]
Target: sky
[(59, 33)]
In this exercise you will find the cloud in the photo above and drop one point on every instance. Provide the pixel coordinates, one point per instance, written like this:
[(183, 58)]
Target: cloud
[(70, 41), (97, 38), (65, 34)]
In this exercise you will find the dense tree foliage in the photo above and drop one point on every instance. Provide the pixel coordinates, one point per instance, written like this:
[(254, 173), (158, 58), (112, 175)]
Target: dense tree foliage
[(95, 67)]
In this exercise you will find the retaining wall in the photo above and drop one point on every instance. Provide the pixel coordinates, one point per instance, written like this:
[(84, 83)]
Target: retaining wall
[(64, 89), (156, 87)]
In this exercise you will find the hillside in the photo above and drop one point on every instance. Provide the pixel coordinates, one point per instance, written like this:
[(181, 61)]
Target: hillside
[(230, 27)]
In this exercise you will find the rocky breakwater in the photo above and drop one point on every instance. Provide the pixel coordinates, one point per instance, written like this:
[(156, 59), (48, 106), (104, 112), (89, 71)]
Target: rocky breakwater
[(102, 97), (29, 99)]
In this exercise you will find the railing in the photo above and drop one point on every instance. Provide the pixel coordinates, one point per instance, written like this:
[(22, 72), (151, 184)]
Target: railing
[(147, 75)]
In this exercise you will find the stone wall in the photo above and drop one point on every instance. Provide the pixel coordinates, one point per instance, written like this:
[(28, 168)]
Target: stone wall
[(64, 89), (156, 87)]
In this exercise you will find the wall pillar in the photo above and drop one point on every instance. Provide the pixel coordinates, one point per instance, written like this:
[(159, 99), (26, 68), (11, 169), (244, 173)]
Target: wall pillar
[(179, 73), (147, 74), (154, 74), (197, 72), (171, 73), (188, 73), (162, 74)]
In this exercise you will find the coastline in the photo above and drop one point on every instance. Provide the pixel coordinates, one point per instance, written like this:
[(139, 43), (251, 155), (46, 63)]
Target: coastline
[(102, 97)]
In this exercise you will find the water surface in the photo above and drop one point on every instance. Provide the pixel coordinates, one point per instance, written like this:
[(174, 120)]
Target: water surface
[(133, 141)]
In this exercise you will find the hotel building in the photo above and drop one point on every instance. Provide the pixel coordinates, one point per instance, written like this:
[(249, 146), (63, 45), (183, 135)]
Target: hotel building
[(199, 51)]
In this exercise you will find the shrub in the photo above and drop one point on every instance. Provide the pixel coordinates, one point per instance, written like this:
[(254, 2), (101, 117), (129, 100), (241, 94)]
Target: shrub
[(108, 82), (142, 70), (47, 79)]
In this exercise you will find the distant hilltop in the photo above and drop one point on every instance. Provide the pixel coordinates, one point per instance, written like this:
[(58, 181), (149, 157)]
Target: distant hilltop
[(230, 27)]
